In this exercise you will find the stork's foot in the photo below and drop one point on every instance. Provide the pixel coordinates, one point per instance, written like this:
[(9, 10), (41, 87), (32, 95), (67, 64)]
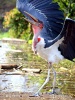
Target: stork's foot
[(55, 91), (35, 95)]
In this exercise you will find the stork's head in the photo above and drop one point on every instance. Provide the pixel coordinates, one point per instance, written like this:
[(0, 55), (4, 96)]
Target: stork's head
[(37, 27), (36, 38)]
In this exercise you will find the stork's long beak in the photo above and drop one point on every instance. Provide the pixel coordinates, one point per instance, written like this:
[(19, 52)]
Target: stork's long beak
[(31, 16), (34, 21)]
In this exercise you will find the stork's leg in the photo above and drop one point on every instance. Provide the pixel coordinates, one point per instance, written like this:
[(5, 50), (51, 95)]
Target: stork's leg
[(54, 81), (46, 81)]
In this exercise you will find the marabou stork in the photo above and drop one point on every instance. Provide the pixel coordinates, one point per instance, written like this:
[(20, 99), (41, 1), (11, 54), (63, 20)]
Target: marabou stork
[(54, 35)]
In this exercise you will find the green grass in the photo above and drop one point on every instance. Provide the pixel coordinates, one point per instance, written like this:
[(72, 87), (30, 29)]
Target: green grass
[(4, 35)]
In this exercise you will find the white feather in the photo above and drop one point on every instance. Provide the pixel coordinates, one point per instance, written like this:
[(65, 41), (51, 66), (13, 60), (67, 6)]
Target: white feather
[(50, 54)]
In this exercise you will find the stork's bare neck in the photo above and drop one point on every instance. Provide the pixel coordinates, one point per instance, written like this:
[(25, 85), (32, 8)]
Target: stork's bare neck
[(36, 37)]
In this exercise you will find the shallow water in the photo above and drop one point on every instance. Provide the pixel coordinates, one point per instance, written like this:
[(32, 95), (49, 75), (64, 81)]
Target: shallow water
[(16, 83), (4, 47)]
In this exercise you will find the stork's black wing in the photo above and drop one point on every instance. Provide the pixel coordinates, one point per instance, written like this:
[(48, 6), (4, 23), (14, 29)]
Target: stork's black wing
[(67, 47)]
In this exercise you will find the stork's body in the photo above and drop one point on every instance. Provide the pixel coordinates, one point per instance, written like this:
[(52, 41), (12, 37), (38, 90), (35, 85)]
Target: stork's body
[(50, 54), (54, 36)]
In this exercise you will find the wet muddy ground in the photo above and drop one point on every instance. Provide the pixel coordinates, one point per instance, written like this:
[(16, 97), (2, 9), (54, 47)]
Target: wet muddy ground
[(25, 96)]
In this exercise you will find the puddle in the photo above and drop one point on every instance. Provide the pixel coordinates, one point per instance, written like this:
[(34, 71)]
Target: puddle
[(4, 47), (16, 83)]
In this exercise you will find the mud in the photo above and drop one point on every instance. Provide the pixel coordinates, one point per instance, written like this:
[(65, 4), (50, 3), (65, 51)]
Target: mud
[(26, 96)]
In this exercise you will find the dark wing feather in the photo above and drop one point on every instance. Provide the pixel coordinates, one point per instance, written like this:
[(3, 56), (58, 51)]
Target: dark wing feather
[(47, 12), (50, 5), (41, 3), (67, 47)]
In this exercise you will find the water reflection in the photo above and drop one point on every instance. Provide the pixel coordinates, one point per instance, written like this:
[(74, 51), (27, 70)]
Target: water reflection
[(4, 47), (7, 52), (16, 83)]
